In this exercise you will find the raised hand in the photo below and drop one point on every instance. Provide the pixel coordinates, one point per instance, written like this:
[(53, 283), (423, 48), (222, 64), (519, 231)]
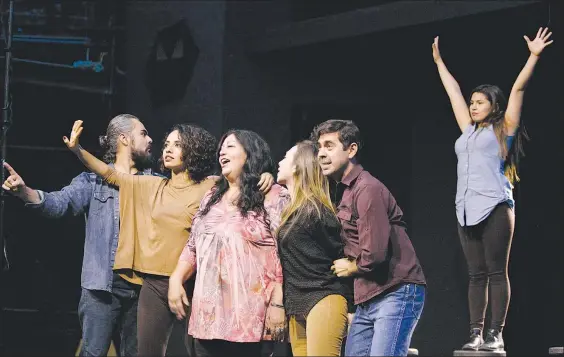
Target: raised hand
[(14, 183), (436, 52), (537, 45), (72, 143)]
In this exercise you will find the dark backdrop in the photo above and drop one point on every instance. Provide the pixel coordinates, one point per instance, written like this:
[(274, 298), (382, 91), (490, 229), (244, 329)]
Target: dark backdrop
[(388, 83)]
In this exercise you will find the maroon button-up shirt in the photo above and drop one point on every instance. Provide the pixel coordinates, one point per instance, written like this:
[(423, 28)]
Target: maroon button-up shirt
[(375, 236)]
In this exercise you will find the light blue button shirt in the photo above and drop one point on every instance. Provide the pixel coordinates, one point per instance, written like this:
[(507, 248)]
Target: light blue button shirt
[(481, 184), (98, 201)]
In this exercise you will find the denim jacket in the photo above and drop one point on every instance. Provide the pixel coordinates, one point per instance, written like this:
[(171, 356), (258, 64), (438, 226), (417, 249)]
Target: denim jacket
[(90, 195)]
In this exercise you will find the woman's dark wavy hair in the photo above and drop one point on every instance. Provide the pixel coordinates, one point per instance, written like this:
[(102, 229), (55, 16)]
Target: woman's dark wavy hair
[(497, 119), (258, 162), (198, 151)]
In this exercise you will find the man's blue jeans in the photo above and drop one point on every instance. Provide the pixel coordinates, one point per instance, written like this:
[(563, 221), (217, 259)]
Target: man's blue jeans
[(383, 325), (104, 315)]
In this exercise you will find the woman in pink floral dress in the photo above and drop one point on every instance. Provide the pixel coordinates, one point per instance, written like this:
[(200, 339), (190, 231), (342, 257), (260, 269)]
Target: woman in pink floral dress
[(233, 251)]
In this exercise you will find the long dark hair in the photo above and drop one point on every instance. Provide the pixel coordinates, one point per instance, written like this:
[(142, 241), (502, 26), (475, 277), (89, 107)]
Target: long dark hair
[(258, 162), (198, 147), (496, 118)]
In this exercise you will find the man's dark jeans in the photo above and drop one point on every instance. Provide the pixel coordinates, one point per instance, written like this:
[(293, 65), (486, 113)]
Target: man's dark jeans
[(104, 315)]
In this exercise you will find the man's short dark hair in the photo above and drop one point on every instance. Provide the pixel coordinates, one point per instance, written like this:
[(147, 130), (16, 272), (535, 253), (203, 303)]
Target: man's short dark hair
[(347, 129)]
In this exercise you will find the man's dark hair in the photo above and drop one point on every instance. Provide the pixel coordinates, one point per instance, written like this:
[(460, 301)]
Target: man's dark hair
[(120, 124), (347, 129)]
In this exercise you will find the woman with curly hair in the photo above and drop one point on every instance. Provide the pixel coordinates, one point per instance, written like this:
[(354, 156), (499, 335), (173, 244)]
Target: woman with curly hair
[(233, 252), (156, 218), (488, 153)]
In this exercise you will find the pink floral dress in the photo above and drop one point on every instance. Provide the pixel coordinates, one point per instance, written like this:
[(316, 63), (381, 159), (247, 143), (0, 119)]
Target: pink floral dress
[(237, 265)]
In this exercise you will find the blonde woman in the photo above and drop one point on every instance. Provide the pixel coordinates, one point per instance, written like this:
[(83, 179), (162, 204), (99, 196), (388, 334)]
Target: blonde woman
[(309, 240)]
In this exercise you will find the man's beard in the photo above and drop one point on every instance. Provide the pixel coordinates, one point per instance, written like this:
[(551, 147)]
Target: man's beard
[(142, 159)]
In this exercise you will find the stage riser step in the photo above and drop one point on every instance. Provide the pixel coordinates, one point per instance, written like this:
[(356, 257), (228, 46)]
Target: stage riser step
[(553, 351), (464, 353)]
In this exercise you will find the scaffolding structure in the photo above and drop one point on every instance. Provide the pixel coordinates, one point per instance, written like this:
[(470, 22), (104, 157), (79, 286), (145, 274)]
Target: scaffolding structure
[(55, 44)]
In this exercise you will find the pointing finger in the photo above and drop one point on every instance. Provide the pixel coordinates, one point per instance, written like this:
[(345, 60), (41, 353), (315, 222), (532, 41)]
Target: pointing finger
[(10, 169)]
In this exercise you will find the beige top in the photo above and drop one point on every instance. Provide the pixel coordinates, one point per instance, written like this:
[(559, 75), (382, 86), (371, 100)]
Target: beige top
[(155, 221)]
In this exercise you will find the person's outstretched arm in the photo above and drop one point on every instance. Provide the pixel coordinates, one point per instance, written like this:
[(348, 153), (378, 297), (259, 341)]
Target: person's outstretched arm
[(459, 105), (515, 103), (99, 167), (72, 199), (94, 164)]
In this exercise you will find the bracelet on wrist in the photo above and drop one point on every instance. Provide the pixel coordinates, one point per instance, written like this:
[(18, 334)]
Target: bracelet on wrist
[(276, 305)]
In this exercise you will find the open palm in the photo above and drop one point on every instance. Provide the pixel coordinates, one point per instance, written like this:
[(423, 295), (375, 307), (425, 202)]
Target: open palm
[(540, 42), (73, 143), (436, 52)]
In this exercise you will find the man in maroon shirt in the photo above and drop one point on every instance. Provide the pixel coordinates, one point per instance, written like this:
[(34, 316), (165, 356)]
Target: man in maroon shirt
[(389, 285)]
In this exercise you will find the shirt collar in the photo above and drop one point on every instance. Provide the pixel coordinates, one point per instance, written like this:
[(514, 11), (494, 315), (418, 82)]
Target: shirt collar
[(351, 176)]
